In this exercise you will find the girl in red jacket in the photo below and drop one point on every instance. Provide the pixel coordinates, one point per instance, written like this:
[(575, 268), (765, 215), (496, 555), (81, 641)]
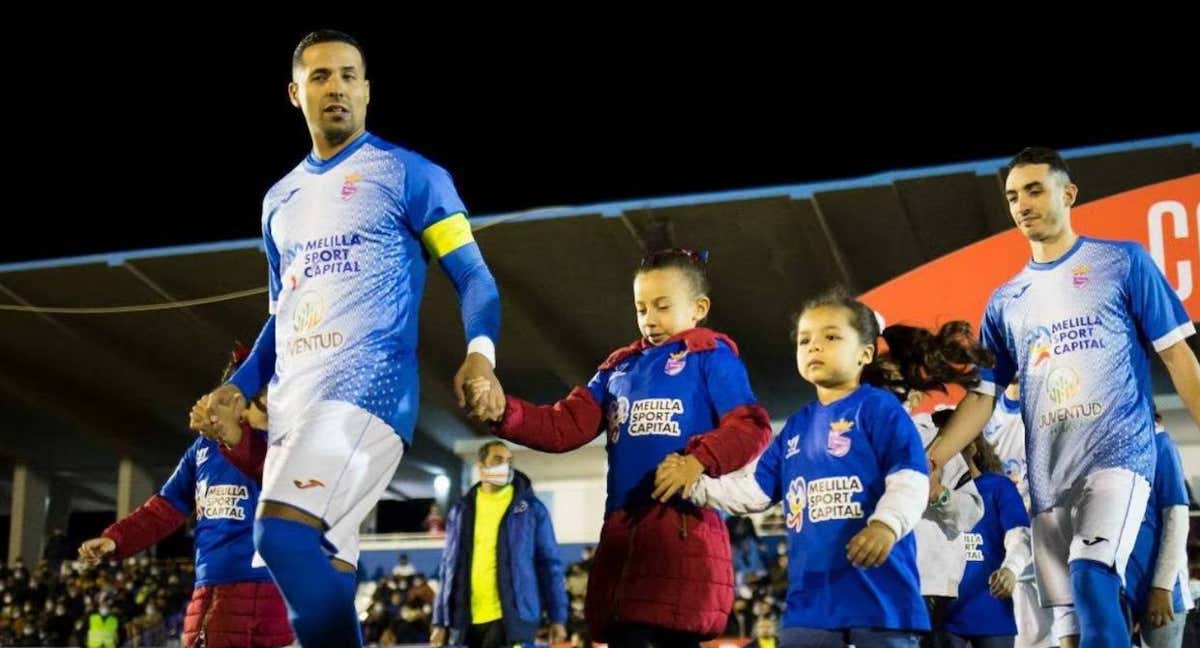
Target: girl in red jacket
[(234, 605), (662, 572)]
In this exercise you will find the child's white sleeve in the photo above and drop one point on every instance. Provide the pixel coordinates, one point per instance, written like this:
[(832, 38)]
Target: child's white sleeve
[(736, 493), (903, 501)]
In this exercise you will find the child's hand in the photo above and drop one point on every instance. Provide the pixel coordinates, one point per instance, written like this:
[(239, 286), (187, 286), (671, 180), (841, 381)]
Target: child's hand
[(871, 546), (1160, 612), (481, 401), (216, 421), (669, 465), (676, 474), (936, 490), (1001, 583), (92, 551), (227, 424)]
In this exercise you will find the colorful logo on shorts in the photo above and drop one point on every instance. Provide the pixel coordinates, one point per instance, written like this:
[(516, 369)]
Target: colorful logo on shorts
[(794, 504), (1079, 275), (676, 362), (308, 484), (1039, 342), (350, 186), (618, 413), (839, 443), (1062, 385)]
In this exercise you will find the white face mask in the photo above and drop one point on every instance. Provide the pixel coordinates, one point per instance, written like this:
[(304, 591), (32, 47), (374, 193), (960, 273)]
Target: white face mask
[(496, 475)]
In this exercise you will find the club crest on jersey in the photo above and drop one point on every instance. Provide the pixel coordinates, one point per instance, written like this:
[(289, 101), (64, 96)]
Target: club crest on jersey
[(1079, 275), (793, 447), (350, 186), (618, 413), (676, 362), (839, 443), (201, 455), (794, 503)]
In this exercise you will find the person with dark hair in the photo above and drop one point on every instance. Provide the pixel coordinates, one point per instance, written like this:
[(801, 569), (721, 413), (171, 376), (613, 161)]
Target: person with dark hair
[(404, 567), (680, 388), (233, 604), (997, 552), (851, 471), (349, 234), (1078, 324), (322, 36), (500, 566)]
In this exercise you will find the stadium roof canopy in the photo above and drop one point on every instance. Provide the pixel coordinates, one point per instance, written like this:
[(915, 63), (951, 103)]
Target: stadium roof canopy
[(79, 390)]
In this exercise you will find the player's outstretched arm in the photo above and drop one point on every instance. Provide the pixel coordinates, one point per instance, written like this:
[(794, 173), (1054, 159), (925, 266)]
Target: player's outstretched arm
[(1185, 375), (965, 424)]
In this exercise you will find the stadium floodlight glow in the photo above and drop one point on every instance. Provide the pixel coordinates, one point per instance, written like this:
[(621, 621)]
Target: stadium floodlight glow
[(441, 485)]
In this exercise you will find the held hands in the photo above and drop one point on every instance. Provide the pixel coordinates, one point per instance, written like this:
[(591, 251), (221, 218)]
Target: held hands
[(218, 414), (478, 390), (676, 474)]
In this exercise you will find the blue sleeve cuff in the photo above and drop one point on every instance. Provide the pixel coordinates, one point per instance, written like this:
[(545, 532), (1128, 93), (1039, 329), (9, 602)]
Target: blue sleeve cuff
[(259, 367)]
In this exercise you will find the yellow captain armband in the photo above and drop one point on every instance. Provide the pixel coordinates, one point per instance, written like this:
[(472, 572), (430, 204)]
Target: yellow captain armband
[(447, 235)]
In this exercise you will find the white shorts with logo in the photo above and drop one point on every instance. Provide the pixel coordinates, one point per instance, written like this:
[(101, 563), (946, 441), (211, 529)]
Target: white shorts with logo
[(334, 463), (1097, 520)]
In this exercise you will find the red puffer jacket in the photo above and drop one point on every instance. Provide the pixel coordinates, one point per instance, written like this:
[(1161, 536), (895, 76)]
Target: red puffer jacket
[(666, 565), (237, 615)]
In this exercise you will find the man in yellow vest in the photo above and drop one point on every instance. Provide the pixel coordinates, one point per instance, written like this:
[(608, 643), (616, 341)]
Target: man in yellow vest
[(103, 629), (500, 564)]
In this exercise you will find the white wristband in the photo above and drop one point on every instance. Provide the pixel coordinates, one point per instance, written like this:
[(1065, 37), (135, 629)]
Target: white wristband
[(484, 346)]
